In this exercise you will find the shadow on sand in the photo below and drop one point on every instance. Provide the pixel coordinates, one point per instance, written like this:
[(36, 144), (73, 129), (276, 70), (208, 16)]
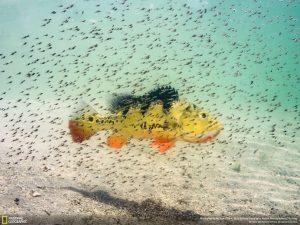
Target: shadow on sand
[(148, 209)]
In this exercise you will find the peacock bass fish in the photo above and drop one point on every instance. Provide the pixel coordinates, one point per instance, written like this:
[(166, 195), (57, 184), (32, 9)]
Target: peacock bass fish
[(165, 119)]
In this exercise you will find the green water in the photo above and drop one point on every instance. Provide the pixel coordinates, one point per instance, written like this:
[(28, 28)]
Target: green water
[(237, 59)]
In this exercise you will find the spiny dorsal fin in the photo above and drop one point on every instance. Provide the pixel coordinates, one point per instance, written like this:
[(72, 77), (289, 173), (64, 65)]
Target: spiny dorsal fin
[(165, 94), (123, 102)]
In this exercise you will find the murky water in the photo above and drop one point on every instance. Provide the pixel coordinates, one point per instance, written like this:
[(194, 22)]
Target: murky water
[(237, 59)]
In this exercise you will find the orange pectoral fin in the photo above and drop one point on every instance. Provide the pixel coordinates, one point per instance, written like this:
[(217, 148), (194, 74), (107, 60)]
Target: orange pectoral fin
[(163, 144), (116, 141)]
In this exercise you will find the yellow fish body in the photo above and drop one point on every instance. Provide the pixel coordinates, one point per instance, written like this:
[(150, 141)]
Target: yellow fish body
[(182, 121)]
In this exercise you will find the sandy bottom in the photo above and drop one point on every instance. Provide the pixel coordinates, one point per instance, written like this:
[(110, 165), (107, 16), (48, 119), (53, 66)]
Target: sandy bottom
[(58, 180)]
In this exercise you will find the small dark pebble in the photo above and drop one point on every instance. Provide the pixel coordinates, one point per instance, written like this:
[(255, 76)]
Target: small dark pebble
[(17, 201)]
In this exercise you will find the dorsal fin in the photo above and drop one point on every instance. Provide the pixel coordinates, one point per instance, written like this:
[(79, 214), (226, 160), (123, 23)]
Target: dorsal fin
[(165, 94), (123, 102)]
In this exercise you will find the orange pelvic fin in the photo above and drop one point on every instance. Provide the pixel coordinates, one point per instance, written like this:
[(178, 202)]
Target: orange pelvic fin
[(79, 131), (163, 144), (116, 140)]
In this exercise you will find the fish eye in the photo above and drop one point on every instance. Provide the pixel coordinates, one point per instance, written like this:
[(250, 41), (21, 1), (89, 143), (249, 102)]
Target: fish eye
[(91, 118), (203, 115)]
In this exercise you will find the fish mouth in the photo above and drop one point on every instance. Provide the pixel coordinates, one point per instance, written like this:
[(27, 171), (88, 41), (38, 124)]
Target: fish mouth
[(210, 134), (211, 131), (204, 137)]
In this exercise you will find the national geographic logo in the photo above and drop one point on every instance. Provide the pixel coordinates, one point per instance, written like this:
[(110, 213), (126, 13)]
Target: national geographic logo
[(4, 220), (12, 220)]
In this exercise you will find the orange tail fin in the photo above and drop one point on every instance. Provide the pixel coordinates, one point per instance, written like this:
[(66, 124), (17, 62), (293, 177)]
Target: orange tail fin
[(80, 131)]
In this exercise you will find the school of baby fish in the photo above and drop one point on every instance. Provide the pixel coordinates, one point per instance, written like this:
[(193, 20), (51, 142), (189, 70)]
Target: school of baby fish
[(239, 73)]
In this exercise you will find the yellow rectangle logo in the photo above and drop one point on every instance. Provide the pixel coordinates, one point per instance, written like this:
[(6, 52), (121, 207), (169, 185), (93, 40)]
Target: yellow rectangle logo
[(4, 220)]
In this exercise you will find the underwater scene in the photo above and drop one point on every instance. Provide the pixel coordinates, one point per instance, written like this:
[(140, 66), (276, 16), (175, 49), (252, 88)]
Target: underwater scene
[(149, 112)]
